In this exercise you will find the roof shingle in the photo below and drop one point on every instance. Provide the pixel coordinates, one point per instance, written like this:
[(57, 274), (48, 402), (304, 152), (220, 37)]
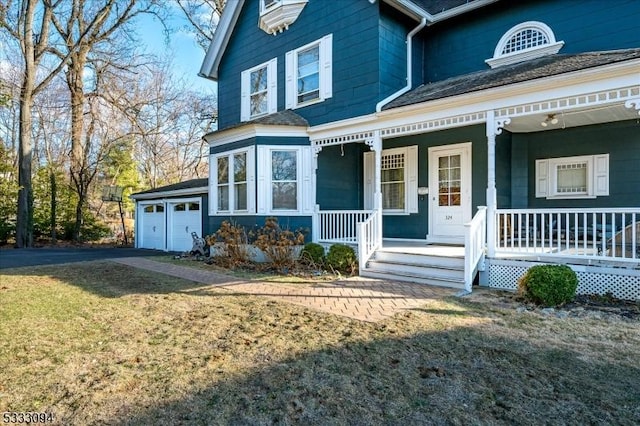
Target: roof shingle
[(511, 74)]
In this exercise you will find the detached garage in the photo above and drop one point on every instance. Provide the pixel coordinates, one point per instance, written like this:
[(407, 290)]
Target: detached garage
[(166, 216)]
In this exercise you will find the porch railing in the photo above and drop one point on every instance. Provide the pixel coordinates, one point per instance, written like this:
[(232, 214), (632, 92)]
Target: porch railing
[(603, 234), (338, 226), (369, 238), (474, 246)]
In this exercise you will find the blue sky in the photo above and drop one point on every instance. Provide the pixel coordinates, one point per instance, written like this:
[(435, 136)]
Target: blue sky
[(187, 55)]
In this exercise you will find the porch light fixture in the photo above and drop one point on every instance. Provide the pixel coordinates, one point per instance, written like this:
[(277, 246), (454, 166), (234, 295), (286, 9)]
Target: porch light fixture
[(551, 118)]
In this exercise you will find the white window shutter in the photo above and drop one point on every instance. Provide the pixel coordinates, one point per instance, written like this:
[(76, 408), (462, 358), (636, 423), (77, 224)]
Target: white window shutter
[(213, 185), (369, 179), (290, 86), (326, 63), (542, 178), (272, 91), (601, 175), (307, 180), (263, 183), (411, 161), (251, 180), (244, 96)]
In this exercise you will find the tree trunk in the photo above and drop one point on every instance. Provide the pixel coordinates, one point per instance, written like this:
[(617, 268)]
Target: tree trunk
[(24, 222), (78, 169), (54, 191)]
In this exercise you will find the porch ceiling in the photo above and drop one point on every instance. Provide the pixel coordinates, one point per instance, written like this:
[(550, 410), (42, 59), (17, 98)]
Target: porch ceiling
[(572, 118)]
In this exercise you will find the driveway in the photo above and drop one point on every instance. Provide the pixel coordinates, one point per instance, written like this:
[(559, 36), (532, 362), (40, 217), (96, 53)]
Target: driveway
[(15, 258)]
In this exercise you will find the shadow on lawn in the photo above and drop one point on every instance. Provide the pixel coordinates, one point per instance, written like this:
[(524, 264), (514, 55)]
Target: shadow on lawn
[(110, 279), (462, 376)]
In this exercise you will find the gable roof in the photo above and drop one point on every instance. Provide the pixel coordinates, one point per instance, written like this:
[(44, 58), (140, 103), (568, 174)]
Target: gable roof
[(192, 186), (510, 74), (430, 10)]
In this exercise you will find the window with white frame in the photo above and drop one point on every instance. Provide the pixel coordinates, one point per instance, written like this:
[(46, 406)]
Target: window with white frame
[(284, 180), (399, 179), (232, 182), (259, 86), (309, 73), (584, 176), (524, 41), (277, 15)]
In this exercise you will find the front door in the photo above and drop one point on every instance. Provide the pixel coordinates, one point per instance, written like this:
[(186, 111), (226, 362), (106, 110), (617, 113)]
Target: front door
[(449, 192)]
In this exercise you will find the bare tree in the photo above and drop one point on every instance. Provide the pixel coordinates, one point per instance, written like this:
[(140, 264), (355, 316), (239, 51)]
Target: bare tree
[(90, 31), (29, 23), (203, 17)]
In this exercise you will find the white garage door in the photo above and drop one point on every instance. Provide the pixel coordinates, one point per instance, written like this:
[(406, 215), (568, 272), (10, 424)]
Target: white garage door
[(185, 218), (152, 230)]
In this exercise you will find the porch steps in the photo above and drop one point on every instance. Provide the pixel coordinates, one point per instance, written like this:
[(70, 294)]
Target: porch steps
[(444, 271)]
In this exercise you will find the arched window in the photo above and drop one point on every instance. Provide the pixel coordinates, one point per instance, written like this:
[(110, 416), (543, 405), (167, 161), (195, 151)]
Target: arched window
[(525, 41)]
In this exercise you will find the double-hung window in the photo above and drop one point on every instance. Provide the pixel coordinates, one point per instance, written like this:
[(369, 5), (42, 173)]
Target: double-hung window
[(584, 176), (259, 86), (232, 182), (309, 73), (284, 180), (399, 180)]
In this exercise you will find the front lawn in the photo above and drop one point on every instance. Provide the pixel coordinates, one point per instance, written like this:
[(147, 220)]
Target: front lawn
[(102, 343)]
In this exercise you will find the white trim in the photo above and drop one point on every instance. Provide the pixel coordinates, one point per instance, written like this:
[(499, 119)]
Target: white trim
[(466, 151), (250, 182), (620, 78), (304, 180), (251, 131), (272, 90), (164, 194), (551, 47), (325, 72), (221, 37), (597, 180)]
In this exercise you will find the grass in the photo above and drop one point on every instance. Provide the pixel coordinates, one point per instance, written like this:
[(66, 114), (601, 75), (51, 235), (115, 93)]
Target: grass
[(100, 343)]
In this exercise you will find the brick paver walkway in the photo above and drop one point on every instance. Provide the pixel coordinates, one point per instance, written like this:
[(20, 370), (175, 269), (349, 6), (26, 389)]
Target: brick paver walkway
[(360, 298)]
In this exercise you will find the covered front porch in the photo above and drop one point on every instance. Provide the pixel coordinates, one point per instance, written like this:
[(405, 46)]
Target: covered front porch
[(524, 219)]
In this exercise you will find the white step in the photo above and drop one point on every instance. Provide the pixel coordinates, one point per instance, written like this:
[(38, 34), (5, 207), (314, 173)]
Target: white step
[(419, 259), (424, 269), (445, 271), (420, 279)]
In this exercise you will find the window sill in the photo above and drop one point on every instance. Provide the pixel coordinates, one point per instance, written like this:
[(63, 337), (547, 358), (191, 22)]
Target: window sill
[(308, 103), (571, 197)]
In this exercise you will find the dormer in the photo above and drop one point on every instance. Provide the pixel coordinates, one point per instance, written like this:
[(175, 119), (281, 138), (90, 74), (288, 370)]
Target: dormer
[(277, 15), (528, 40)]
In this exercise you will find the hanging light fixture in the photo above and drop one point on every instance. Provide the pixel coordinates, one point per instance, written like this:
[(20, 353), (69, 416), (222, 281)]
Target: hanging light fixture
[(551, 119)]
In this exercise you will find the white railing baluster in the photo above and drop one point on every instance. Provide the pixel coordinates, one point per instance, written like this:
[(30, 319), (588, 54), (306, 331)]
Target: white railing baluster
[(589, 233)]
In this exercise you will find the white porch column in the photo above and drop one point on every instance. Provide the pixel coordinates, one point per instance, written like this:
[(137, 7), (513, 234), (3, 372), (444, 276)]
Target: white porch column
[(315, 218), (376, 146), (494, 127)]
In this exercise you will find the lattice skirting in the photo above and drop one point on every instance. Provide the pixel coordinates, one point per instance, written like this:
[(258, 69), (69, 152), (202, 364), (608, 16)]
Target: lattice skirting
[(620, 282)]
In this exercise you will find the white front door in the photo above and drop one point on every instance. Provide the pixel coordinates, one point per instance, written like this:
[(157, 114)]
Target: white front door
[(449, 192), (185, 218)]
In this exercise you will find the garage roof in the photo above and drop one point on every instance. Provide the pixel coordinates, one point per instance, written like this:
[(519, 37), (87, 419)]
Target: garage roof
[(193, 186)]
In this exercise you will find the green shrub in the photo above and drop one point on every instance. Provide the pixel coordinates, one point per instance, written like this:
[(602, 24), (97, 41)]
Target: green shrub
[(313, 252), (342, 258), (549, 285)]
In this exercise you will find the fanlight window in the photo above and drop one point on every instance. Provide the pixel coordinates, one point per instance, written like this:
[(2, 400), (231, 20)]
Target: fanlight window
[(525, 41)]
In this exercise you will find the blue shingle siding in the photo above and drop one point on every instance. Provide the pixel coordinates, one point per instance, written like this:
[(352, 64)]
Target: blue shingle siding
[(291, 223), (461, 45), (416, 226), (354, 26), (393, 50), (620, 140), (340, 177)]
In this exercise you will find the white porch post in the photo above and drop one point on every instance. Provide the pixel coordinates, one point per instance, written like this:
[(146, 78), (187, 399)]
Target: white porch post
[(377, 197), (315, 218), (494, 127)]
